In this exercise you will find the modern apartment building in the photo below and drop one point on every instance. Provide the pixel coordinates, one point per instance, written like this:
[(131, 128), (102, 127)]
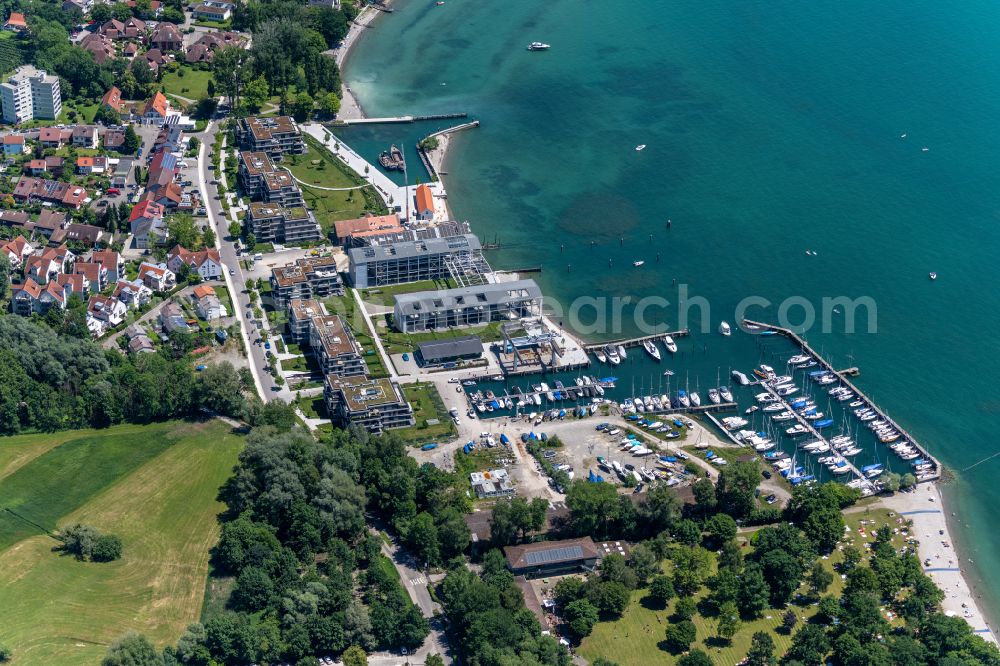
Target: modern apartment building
[(260, 180), (30, 93), (467, 306), (374, 404), (275, 136), (310, 277), (337, 351), (274, 223), (412, 261)]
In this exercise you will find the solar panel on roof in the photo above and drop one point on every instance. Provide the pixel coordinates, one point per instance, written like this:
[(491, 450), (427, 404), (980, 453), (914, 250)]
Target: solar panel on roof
[(554, 555)]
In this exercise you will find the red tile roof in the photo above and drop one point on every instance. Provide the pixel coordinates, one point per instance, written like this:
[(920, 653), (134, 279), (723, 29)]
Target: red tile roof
[(425, 200)]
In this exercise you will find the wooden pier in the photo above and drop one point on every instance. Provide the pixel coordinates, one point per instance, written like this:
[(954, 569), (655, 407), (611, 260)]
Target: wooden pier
[(402, 119), (635, 342), (807, 424), (853, 372)]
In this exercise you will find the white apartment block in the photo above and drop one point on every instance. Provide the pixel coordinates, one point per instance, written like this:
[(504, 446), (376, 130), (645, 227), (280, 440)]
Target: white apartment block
[(30, 93)]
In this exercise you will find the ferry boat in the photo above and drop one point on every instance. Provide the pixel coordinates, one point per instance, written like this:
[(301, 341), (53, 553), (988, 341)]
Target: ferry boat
[(539, 46), (669, 343), (725, 329), (651, 349)]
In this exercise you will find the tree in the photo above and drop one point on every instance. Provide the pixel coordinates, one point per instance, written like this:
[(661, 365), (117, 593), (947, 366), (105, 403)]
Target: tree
[(828, 609), (251, 241), (611, 598), (235, 229), (593, 508), (257, 92), (208, 237), (685, 608), (4, 274), (205, 107), (582, 616), (355, 656), (761, 650), (329, 104), (721, 528), (183, 230), (679, 636), (824, 527), (661, 589), (819, 578), (422, 538), (687, 532), (704, 496), (691, 568), (695, 658), (108, 548), (789, 620), (5, 653), (87, 543), (132, 141), (434, 660), (809, 645), (736, 487), (105, 115), (729, 621), (132, 649), (218, 389), (891, 481), (643, 562), (302, 107), (783, 574)]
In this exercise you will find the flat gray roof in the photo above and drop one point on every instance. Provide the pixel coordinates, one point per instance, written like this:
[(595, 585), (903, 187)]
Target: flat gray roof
[(417, 248), (440, 349), (467, 297)]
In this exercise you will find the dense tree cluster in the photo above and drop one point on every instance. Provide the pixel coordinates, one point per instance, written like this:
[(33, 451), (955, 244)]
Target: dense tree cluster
[(52, 380), (488, 620), (88, 544)]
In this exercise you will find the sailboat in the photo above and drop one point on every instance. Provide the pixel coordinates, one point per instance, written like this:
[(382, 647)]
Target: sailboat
[(695, 398)]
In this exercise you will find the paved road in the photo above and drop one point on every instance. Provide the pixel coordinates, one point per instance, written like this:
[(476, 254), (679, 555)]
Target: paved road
[(233, 274)]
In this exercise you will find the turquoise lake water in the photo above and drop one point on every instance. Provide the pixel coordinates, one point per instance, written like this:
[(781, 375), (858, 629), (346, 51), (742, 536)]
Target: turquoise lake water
[(771, 128)]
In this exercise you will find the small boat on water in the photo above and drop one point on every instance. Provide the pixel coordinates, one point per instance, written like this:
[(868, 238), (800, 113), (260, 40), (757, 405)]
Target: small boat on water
[(725, 329), (538, 46), (612, 354), (392, 159), (601, 356), (638, 263), (682, 397), (933, 276), (726, 393), (640, 147), (651, 349), (468, 382), (740, 377), (622, 353), (668, 373), (669, 343), (713, 396)]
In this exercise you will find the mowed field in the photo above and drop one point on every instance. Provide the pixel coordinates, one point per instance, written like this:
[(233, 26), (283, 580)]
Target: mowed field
[(155, 487)]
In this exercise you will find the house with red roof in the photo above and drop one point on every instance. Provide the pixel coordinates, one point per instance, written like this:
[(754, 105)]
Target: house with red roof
[(14, 144), (206, 263), (113, 99), (166, 37), (157, 276), (96, 274), (16, 23), (17, 250), (111, 261), (29, 297), (156, 109), (106, 309), (425, 203), (147, 224), (53, 137), (132, 293)]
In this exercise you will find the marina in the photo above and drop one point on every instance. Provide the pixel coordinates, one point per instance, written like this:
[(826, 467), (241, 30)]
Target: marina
[(933, 472), (636, 342)]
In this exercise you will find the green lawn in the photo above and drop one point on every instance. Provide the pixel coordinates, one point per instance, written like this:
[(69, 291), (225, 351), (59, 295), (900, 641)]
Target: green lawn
[(347, 308), (321, 168), (427, 405), (396, 342), (634, 638), (387, 295), (187, 82), (297, 364), (155, 487), (223, 295), (313, 407)]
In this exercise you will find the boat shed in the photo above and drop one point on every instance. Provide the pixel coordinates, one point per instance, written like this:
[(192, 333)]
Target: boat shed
[(550, 558), (452, 350)]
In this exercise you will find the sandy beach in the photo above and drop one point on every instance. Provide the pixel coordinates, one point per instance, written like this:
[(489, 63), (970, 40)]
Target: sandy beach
[(349, 106), (930, 527)]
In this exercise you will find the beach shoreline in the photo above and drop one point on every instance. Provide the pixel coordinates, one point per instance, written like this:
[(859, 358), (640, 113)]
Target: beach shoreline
[(350, 107), (926, 509)]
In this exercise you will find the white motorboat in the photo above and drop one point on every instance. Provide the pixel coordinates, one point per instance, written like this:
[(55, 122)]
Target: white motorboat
[(622, 353), (774, 407), (612, 355), (601, 357), (713, 396), (741, 378), (539, 46), (668, 373), (725, 329), (638, 263), (683, 398), (640, 147), (726, 393), (651, 349), (800, 358), (669, 343), (695, 399)]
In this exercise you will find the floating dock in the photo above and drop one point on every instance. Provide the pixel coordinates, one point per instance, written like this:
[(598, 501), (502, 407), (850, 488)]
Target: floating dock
[(398, 119), (853, 372), (635, 342)]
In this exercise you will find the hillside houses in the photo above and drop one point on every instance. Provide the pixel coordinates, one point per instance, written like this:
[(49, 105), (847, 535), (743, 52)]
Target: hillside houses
[(206, 263)]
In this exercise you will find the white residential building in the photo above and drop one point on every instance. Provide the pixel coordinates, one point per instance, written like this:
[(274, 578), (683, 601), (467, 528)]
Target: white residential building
[(30, 93)]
